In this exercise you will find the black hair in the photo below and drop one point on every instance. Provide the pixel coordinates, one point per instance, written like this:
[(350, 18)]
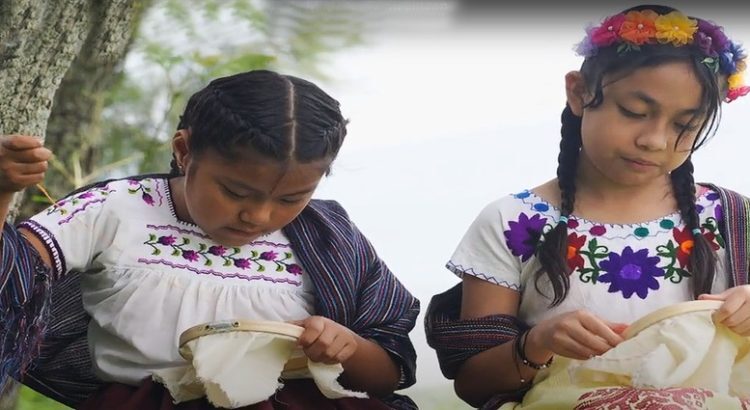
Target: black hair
[(279, 116), (552, 252)]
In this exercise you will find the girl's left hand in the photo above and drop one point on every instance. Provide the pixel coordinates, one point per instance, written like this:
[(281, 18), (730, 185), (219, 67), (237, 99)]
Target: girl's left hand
[(326, 341), (734, 313)]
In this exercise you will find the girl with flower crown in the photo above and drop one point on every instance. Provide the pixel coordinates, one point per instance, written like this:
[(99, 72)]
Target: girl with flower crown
[(559, 271)]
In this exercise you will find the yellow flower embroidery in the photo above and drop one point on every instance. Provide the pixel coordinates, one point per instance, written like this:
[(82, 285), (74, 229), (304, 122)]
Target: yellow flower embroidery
[(675, 28)]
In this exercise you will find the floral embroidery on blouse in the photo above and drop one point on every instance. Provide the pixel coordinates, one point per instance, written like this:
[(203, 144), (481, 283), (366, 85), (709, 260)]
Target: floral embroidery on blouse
[(73, 205), (183, 247), (146, 188), (634, 270)]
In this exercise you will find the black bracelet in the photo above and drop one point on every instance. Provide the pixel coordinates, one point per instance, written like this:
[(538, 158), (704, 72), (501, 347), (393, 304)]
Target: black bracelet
[(520, 348)]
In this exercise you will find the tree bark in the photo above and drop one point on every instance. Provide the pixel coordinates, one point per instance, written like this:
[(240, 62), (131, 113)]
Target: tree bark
[(39, 41), (72, 132)]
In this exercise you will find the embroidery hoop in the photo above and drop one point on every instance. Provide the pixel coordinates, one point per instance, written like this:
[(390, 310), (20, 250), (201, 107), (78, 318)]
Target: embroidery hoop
[(668, 312), (296, 363)]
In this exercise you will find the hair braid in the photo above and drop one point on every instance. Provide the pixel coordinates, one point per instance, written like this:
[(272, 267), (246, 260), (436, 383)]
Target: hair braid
[(702, 261), (554, 249)]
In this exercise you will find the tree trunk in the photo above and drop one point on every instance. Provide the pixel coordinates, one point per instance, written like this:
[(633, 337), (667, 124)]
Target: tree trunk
[(73, 132), (39, 40)]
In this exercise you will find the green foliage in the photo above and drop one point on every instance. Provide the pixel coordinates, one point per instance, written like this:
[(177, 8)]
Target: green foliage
[(31, 400), (179, 48)]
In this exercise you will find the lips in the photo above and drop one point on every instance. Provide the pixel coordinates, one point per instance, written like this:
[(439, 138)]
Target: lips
[(243, 232), (642, 162)]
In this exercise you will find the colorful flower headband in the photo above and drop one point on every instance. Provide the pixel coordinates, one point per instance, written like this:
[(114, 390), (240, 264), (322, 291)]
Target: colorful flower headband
[(635, 28)]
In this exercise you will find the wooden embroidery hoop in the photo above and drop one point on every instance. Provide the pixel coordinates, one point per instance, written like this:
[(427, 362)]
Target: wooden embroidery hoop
[(668, 312), (288, 331)]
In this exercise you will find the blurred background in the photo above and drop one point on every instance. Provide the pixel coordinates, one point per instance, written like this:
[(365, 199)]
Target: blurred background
[(451, 104)]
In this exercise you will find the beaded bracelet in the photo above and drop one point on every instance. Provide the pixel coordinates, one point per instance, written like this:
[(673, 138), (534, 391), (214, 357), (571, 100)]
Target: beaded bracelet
[(520, 349)]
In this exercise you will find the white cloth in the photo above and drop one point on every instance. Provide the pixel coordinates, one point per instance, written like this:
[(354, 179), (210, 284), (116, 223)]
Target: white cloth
[(635, 268), (683, 351), (151, 276), (223, 363)]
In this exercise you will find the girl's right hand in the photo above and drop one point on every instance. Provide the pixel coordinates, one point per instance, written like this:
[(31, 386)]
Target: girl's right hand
[(23, 162), (577, 335)]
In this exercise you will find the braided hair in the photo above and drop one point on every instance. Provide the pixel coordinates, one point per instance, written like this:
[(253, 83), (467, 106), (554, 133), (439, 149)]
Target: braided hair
[(553, 250), (279, 116)]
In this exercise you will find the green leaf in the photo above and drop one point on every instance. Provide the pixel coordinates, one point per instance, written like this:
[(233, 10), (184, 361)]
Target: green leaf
[(156, 252), (151, 237), (176, 252), (254, 254), (40, 199), (261, 268), (279, 268), (202, 247), (208, 262)]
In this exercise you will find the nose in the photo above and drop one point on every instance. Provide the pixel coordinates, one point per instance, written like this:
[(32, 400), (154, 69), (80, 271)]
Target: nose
[(258, 214), (654, 138)]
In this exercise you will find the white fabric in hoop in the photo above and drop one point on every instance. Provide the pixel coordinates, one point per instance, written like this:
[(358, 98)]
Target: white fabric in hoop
[(239, 368), (678, 347)]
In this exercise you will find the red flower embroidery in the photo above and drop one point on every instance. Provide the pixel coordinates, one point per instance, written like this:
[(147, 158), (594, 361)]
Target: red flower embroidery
[(575, 243), (678, 398), (685, 243)]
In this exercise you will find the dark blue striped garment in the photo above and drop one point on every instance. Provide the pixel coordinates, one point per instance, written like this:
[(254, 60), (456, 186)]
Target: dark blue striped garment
[(352, 286)]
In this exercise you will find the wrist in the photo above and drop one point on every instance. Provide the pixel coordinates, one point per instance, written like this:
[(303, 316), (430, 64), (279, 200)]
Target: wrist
[(534, 349)]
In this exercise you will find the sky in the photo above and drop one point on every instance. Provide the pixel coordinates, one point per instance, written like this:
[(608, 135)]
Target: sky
[(455, 104), (450, 110)]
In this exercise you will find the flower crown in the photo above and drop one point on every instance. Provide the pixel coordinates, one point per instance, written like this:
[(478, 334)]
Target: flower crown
[(629, 31)]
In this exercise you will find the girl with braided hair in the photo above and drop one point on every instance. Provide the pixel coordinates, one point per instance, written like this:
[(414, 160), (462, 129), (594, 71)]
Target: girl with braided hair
[(230, 233), (560, 270)]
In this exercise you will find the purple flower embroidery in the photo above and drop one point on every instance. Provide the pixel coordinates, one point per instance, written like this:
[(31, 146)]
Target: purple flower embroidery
[(631, 272), (268, 255), (190, 255), (242, 263), (523, 235), (719, 213), (147, 198), (294, 269), (133, 182), (167, 240), (217, 250), (86, 195)]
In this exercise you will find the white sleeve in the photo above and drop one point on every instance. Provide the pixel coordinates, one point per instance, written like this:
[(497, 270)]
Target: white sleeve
[(484, 253), (74, 230)]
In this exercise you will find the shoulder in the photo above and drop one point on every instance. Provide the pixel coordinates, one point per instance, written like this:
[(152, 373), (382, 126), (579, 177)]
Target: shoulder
[(523, 204), (328, 207), (153, 184), (109, 194), (714, 190), (327, 211)]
